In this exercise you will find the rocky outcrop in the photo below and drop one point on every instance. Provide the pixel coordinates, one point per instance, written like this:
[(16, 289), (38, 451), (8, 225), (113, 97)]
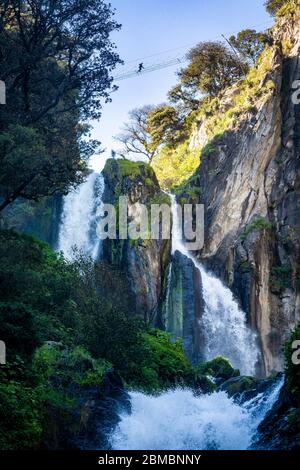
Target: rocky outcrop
[(184, 305), (280, 430), (87, 423), (250, 186), (143, 260)]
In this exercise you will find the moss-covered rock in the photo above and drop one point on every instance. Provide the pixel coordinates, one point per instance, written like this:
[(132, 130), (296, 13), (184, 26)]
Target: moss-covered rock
[(219, 368), (238, 385), (144, 260), (81, 398)]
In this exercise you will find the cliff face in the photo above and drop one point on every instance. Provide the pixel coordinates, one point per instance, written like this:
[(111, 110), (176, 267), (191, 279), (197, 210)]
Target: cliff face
[(144, 261), (249, 183)]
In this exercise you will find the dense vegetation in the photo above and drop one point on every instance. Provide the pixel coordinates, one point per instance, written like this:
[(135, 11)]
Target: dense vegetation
[(66, 324), (69, 322), (162, 134), (55, 58)]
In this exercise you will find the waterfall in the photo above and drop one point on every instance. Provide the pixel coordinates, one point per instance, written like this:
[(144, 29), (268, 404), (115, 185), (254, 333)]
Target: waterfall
[(78, 224), (224, 324), (179, 420)]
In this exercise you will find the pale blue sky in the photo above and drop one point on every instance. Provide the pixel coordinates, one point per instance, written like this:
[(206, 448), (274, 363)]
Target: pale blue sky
[(154, 26)]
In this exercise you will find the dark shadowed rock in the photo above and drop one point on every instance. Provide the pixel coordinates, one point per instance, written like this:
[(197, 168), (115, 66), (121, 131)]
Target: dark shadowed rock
[(91, 418), (184, 305)]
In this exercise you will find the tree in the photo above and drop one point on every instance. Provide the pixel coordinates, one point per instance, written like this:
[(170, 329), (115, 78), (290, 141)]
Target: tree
[(55, 58), (249, 43), (272, 6), (166, 127), (184, 98), (135, 138), (37, 36), (212, 68)]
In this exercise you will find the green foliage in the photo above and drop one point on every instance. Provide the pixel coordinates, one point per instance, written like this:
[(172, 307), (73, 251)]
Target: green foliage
[(288, 9), (164, 363), (56, 62), (53, 363), (18, 329), (249, 43), (19, 415), (292, 369), (258, 224), (204, 59), (166, 127), (243, 97), (219, 368), (65, 325), (174, 166)]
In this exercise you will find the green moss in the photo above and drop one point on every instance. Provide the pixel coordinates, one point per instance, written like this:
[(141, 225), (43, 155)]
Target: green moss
[(160, 198), (219, 368), (205, 384), (130, 168), (240, 385), (166, 364)]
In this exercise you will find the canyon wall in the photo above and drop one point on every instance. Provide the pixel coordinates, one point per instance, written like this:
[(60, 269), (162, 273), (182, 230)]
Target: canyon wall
[(249, 183)]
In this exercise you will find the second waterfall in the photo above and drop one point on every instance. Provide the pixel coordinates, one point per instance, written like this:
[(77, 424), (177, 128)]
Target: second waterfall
[(223, 324)]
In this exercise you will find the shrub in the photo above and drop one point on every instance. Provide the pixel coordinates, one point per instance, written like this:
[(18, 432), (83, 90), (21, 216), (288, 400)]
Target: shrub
[(258, 224), (219, 368)]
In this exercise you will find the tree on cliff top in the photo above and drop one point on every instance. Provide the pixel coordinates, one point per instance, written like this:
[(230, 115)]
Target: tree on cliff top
[(135, 137), (149, 128), (272, 6), (212, 68), (55, 58), (249, 43), (166, 126)]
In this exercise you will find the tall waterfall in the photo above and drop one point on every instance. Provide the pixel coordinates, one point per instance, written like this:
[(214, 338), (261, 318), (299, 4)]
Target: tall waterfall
[(78, 225), (224, 324), (179, 420)]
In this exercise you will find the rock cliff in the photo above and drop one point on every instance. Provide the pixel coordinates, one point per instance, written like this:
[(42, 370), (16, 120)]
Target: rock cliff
[(249, 182), (144, 261)]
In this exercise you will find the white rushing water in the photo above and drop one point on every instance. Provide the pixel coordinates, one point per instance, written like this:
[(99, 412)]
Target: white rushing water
[(78, 224), (224, 324), (179, 420)]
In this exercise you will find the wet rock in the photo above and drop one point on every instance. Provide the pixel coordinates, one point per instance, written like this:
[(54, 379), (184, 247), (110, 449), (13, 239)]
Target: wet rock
[(184, 305)]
